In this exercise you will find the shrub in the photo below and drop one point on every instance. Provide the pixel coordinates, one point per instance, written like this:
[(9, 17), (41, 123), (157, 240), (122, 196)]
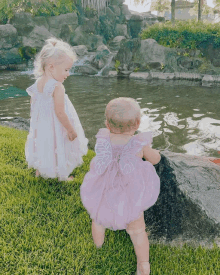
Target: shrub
[(36, 7), (117, 64), (184, 34)]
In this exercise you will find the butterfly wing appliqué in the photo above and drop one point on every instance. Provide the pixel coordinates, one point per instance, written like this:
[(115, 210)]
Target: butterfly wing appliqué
[(128, 159), (103, 156)]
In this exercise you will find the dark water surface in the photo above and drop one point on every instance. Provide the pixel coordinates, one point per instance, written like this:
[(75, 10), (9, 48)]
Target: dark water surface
[(182, 118)]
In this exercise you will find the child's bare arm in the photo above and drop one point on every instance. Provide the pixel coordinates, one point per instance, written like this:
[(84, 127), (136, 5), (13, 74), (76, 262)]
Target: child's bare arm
[(59, 107), (152, 155)]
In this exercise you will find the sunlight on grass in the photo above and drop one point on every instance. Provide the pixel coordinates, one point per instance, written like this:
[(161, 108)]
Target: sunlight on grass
[(44, 228)]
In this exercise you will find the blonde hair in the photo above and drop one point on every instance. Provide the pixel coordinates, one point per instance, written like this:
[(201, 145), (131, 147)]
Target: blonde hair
[(122, 114), (54, 48)]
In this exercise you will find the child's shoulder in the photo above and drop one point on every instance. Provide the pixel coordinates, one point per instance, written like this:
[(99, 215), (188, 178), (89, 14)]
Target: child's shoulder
[(32, 89), (58, 87), (144, 136), (102, 133)]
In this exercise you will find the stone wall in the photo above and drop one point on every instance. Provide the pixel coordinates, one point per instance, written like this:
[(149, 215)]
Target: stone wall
[(29, 33)]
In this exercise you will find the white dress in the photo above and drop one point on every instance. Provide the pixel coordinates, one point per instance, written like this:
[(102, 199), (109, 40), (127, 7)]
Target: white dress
[(48, 148)]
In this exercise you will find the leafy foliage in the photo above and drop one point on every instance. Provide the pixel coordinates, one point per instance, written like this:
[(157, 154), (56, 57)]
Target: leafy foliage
[(160, 5), (117, 64), (184, 34), (36, 7)]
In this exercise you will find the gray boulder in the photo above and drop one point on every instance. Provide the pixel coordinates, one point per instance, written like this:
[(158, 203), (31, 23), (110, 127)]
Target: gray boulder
[(121, 30), (125, 10), (135, 25), (85, 69), (128, 49), (91, 25), (116, 10), (115, 44), (78, 37), (56, 23), (10, 57), (91, 41), (17, 123), (150, 53), (101, 57), (9, 36), (117, 2), (80, 50), (36, 39), (108, 24), (188, 205), (23, 22), (65, 33), (94, 41), (41, 21)]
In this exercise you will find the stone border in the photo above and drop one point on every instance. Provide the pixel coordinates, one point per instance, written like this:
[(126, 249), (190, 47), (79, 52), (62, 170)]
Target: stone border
[(205, 80)]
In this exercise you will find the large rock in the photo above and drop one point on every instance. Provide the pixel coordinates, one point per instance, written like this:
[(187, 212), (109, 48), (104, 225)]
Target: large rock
[(117, 2), (91, 25), (80, 50), (116, 10), (85, 69), (9, 36), (115, 44), (91, 41), (135, 25), (126, 52), (10, 57), (101, 57), (56, 23), (17, 123), (36, 39), (150, 51), (188, 205), (121, 30), (23, 22), (41, 21), (108, 24), (125, 10)]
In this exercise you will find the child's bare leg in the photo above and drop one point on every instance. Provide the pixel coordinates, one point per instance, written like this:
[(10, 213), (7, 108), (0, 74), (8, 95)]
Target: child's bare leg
[(70, 178), (37, 173), (139, 238), (98, 234)]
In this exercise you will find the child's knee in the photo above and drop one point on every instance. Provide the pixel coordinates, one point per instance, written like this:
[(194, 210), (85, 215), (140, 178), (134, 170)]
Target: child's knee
[(97, 227), (136, 231), (136, 227)]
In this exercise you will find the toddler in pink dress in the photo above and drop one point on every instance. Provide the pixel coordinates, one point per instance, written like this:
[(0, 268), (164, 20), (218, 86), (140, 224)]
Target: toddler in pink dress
[(120, 186)]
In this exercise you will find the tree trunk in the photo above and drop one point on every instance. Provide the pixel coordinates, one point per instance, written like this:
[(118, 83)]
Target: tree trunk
[(200, 10), (173, 12)]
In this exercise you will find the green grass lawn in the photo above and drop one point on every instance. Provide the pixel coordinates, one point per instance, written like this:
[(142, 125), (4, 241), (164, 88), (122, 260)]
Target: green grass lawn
[(44, 228)]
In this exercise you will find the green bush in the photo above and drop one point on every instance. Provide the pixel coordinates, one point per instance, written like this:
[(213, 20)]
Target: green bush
[(37, 8), (184, 34)]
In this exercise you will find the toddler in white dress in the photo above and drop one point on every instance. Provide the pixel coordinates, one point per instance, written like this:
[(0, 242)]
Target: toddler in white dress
[(56, 141)]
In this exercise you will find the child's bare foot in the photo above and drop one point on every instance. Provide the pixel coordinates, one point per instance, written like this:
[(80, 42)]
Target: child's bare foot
[(70, 178), (37, 174), (143, 268)]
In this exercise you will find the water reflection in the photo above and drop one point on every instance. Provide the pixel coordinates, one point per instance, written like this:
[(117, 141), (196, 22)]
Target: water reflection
[(181, 118)]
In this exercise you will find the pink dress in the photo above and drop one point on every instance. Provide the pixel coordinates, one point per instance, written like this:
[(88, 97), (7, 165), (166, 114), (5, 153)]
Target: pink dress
[(119, 185), (48, 148)]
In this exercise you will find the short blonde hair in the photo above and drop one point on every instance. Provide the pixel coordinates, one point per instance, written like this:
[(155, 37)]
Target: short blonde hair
[(122, 114), (54, 48)]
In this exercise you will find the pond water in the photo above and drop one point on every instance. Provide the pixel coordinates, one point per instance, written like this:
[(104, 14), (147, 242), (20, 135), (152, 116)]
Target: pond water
[(184, 119)]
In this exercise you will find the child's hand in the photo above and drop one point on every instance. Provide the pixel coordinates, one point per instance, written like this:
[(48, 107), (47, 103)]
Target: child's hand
[(72, 135)]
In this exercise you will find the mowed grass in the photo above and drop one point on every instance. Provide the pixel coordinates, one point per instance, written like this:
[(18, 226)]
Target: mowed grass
[(44, 228)]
